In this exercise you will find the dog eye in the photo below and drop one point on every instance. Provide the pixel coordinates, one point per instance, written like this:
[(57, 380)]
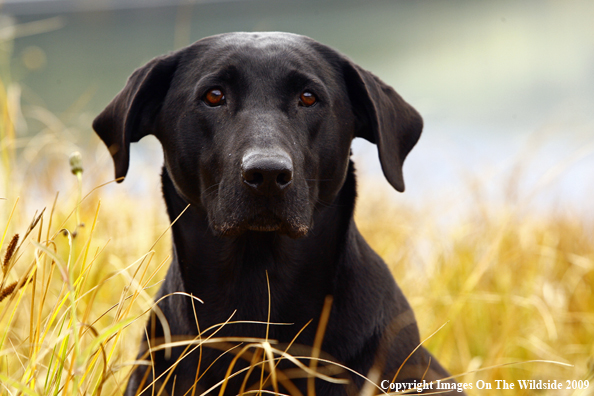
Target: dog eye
[(307, 99), (214, 97)]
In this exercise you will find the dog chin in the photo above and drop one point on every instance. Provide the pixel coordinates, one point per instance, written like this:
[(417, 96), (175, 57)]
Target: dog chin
[(291, 229)]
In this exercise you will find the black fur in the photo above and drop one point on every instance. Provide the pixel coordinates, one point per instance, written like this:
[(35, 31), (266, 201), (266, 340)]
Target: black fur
[(271, 192)]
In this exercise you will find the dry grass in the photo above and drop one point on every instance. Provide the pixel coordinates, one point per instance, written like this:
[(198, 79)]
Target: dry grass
[(511, 285), (511, 288)]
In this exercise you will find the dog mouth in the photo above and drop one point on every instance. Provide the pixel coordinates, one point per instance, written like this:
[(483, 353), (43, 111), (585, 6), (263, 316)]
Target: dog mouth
[(265, 221)]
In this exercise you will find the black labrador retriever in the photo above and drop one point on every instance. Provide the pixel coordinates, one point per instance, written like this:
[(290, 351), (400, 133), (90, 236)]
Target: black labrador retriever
[(256, 130)]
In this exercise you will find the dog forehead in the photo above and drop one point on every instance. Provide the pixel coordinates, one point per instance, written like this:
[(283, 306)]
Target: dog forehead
[(260, 42), (257, 39), (267, 53)]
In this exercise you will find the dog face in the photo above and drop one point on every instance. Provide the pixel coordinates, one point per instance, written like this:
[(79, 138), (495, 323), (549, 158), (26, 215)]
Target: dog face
[(256, 128), (258, 138)]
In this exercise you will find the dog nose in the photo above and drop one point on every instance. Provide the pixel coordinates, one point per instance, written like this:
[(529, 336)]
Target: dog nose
[(267, 173)]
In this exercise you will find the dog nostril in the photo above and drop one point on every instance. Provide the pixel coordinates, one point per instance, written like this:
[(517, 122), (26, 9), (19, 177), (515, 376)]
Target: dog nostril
[(253, 178), (257, 178), (283, 179)]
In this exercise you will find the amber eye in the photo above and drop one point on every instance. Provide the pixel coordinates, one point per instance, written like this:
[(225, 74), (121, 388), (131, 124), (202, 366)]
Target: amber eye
[(307, 99), (214, 97)]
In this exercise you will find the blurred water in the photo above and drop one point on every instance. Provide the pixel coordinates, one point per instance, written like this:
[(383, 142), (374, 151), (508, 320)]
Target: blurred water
[(506, 88)]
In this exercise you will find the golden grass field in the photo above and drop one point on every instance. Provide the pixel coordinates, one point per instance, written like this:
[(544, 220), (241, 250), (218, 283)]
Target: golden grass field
[(512, 288)]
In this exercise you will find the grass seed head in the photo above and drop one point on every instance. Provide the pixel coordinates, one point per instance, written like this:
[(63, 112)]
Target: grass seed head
[(7, 291), (9, 253), (76, 163)]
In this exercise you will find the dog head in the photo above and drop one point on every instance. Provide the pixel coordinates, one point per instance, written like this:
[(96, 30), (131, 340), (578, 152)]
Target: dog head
[(256, 128)]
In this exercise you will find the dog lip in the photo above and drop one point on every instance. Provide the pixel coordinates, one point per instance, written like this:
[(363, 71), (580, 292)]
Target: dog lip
[(267, 222), (264, 221), (264, 228)]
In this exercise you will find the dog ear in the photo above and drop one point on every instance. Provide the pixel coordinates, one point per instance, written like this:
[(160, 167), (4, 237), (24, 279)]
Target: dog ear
[(384, 118), (131, 114)]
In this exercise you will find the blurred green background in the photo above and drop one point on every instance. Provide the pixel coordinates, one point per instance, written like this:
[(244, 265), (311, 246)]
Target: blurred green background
[(506, 88)]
